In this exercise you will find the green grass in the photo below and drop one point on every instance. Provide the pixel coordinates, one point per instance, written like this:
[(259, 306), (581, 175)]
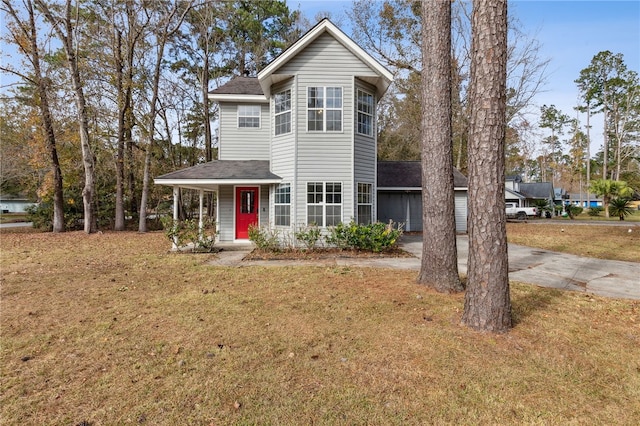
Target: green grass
[(113, 329)]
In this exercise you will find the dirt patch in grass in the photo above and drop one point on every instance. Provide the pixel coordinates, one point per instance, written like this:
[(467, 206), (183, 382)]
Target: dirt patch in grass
[(602, 242), (114, 329)]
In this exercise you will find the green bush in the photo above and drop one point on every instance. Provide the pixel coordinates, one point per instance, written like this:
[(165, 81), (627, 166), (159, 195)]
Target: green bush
[(42, 215), (264, 238), (309, 236), (574, 210), (595, 211), (375, 237)]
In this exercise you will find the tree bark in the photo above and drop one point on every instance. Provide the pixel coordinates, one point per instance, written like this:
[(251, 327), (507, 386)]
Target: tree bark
[(29, 32), (439, 266), (487, 302), (66, 37)]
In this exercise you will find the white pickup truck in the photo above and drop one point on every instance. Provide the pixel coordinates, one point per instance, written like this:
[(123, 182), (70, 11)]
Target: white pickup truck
[(521, 213)]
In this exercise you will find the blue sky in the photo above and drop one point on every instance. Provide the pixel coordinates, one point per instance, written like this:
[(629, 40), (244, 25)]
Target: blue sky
[(570, 34)]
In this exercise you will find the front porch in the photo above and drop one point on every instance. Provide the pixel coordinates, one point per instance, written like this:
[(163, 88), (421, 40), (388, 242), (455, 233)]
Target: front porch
[(241, 191)]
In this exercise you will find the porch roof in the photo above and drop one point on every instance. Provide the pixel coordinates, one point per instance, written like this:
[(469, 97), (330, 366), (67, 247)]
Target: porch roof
[(220, 172)]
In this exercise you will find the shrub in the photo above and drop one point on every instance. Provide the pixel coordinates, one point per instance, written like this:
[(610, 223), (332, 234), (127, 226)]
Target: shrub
[(264, 238), (595, 211), (620, 207), (42, 215), (375, 237), (185, 232), (309, 236), (574, 210)]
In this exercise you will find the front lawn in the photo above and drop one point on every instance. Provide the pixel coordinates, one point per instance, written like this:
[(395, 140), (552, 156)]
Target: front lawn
[(113, 329)]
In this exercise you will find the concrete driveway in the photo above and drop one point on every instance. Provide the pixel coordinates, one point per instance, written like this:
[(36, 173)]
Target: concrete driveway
[(545, 268)]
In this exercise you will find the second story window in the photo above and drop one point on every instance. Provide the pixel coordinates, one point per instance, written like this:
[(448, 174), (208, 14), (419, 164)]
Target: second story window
[(324, 109), (249, 116), (365, 113), (282, 111)]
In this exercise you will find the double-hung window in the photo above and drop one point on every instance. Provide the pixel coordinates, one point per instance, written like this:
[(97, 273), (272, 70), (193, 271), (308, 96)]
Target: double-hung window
[(324, 203), (249, 116), (282, 107), (365, 111), (324, 109), (365, 203), (282, 204)]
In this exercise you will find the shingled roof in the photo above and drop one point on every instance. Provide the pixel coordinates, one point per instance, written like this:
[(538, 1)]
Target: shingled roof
[(239, 86), (542, 190), (408, 174), (223, 170)]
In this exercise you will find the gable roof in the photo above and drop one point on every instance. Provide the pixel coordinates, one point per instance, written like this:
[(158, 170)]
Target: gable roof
[(239, 89), (268, 76), (220, 172), (408, 175), (537, 190)]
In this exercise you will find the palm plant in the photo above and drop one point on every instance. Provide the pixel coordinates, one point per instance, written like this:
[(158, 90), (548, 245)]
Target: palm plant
[(620, 207), (608, 189), (542, 206)]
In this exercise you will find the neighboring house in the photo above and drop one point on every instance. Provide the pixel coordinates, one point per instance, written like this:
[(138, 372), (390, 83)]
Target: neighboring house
[(580, 199), (14, 203), (297, 143), (526, 194), (400, 195)]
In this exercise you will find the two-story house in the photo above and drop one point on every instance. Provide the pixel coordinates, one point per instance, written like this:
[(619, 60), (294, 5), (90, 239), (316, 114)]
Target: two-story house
[(297, 143)]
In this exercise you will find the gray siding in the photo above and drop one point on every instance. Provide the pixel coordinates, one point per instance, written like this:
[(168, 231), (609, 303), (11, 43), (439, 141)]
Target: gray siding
[(243, 143), (226, 213), (327, 157), (461, 211), (263, 217), (323, 51)]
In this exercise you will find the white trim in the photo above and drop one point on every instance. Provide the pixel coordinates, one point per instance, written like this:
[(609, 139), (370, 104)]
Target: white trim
[(356, 123), (238, 117), (324, 203), (239, 98), (198, 183), (266, 77), (278, 114), (325, 109)]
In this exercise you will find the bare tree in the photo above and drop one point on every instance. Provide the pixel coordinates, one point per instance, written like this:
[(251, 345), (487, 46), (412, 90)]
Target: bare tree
[(24, 34), (487, 302), (166, 25), (439, 267)]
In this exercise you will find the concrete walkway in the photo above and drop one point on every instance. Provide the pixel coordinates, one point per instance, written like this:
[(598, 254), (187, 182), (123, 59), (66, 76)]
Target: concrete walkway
[(609, 278)]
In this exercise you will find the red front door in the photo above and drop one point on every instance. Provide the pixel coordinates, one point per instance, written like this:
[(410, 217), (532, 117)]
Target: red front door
[(246, 210)]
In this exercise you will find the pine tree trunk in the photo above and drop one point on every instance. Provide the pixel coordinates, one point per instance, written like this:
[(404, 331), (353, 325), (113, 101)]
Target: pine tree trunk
[(487, 302), (439, 266)]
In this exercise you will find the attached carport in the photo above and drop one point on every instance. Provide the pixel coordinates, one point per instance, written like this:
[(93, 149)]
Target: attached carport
[(399, 196)]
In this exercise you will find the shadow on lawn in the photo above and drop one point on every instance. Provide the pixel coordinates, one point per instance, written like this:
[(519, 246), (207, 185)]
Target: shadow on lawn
[(531, 300)]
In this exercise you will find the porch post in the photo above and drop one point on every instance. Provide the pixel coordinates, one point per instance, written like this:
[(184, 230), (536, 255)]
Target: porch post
[(176, 191), (200, 221), (217, 235), (408, 214)]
